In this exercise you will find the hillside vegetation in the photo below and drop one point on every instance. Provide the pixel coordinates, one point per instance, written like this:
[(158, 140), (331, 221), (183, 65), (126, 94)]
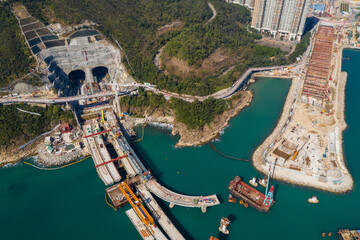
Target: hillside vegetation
[(15, 56), (135, 23), (18, 127), (193, 115), (228, 31)]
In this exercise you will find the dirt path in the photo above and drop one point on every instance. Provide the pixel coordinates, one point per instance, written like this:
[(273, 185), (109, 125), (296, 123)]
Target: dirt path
[(157, 58), (213, 11)]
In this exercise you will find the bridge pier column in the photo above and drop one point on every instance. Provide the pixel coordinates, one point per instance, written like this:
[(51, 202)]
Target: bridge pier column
[(203, 209), (89, 78), (171, 205)]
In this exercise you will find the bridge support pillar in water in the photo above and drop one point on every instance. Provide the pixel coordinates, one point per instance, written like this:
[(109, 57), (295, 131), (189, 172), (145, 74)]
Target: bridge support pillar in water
[(203, 209), (171, 205)]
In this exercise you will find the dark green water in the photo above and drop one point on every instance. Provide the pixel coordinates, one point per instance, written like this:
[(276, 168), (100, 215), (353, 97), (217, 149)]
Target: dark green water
[(69, 203)]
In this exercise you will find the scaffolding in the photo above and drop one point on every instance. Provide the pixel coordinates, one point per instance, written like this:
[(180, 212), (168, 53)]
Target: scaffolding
[(317, 76)]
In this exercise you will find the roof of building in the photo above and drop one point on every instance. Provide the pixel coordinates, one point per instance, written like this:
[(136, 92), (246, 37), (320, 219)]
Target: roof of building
[(69, 147), (65, 127), (319, 7)]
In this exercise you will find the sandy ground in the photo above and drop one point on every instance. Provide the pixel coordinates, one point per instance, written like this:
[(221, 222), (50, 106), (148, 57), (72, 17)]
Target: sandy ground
[(216, 62), (336, 123), (286, 46)]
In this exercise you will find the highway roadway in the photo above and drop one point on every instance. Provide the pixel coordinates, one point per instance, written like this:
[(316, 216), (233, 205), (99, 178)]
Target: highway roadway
[(19, 99), (222, 94)]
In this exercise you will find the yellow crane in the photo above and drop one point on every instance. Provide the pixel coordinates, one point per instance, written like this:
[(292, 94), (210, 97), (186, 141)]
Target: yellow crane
[(136, 203), (295, 155), (102, 116), (297, 151)]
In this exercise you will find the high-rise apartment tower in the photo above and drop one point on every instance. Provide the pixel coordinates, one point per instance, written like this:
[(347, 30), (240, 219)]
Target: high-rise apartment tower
[(281, 18)]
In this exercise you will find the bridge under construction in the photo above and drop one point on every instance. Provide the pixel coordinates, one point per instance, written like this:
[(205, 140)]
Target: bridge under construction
[(133, 181)]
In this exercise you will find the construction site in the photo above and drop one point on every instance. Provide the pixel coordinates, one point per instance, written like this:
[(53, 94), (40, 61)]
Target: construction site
[(306, 146), (130, 181), (76, 64), (86, 67)]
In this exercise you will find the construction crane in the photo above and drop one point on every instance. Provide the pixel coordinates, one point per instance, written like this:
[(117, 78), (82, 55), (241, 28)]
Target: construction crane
[(297, 151), (324, 155), (34, 93), (269, 195), (136, 203)]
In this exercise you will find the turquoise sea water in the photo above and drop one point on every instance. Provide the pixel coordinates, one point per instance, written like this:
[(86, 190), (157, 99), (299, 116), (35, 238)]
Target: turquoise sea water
[(69, 203)]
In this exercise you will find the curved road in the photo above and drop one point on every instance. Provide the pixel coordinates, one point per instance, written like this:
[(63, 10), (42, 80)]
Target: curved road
[(213, 12), (179, 199), (224, 93), (62, 99)]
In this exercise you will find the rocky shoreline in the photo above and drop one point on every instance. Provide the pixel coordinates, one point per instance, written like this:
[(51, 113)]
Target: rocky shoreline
[(192, 137), (13, 155), (158, 118), (211, 131), (52, 160)]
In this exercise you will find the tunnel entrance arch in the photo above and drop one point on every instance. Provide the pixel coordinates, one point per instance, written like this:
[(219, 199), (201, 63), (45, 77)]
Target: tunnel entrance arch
[(77, 78), (99, 73)]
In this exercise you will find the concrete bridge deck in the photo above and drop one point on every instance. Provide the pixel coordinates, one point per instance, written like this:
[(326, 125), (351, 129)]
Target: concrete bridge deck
[(182, 200), (102, 171), (61, 99), (159, 214), (139, 225)]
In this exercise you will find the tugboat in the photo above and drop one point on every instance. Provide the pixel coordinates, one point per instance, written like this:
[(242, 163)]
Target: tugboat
[(313, 200), (224, 222), (231, 199), (263, 182), (213, 238), (253, 182)]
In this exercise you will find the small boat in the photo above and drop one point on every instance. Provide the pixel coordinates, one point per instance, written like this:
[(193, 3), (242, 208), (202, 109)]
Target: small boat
[(246, 205), (241, 201), (253, 182), (224, 222), (213, 238), (263, 182), (313, 200), (231, 199), (329, 234), (323, 234)]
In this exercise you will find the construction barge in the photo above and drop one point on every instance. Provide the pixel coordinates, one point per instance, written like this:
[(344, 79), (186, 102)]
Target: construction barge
[(346, 234), (250, 195)]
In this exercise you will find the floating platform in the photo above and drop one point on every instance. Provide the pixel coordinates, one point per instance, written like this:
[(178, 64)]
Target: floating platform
[(249, 195), (346, 234), (117, 198)]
